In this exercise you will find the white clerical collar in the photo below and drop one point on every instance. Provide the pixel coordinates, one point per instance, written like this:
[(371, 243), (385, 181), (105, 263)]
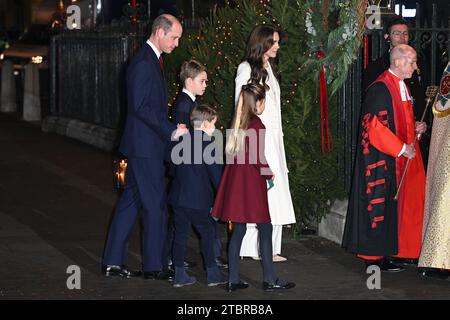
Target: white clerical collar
[(154, 48), (403, 89), (189, 94)]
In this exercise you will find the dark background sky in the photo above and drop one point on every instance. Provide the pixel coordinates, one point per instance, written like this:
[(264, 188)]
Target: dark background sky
[(17, 16)]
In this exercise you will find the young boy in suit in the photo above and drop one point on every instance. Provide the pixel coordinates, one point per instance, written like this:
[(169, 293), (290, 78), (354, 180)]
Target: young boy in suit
[(192, 197), (194, 78)]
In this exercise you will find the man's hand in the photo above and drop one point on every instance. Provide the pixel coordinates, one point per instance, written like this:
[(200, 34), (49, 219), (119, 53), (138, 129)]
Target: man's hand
[(181, 130), (421, 127), (410, 151)]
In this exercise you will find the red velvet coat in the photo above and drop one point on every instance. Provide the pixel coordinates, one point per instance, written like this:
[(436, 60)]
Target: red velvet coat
[(242, 194)]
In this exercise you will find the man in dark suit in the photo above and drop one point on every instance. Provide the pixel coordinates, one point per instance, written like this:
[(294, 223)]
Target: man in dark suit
[(144, 141), (197, 173)]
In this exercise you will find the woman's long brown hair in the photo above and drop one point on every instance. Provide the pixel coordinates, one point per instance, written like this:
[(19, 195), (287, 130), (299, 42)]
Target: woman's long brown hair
[(259, 41)]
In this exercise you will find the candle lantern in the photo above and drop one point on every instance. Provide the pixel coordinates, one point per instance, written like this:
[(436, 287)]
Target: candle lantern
[(119, 171)]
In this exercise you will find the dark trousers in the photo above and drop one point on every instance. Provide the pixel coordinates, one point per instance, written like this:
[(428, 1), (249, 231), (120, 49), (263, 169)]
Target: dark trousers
[(184, 218), (265, 247), (143, 190), (217, 243), (170, 236)]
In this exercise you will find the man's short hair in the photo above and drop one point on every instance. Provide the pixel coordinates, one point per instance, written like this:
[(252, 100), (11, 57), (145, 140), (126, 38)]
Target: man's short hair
[(395, 20), (162, 22), (191, 69), (201, 113)]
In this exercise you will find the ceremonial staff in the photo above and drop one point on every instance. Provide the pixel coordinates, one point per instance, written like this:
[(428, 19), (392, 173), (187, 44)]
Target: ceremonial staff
[(431, 94)]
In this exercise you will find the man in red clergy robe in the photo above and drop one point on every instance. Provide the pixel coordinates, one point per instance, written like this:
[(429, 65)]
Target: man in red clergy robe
[(377, 226)]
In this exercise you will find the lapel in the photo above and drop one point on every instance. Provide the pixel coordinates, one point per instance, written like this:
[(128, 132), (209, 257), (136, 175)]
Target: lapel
[(192, 104)]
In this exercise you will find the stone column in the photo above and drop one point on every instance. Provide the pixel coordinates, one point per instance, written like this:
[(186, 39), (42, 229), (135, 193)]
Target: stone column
[(8, 94), (31, 95)]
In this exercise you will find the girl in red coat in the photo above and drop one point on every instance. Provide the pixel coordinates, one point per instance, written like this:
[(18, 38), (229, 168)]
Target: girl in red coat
[(242, 194)]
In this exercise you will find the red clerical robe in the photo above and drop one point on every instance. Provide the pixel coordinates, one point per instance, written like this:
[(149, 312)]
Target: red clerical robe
[(376, 224)]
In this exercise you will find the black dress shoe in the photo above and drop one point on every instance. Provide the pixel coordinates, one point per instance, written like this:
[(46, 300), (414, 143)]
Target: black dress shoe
[(187, 265), (405, 261), (236, 286), (434, 273), (387, 266), (278, 285), (159, 275), (221, 263), (119, 271)]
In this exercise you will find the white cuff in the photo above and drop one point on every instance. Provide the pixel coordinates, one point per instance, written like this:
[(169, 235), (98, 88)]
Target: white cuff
[(403, 150)]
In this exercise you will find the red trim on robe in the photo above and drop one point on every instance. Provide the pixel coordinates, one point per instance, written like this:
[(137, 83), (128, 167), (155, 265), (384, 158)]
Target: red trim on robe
[(374, 165), (376, 220), (375, 183), (375, 201)]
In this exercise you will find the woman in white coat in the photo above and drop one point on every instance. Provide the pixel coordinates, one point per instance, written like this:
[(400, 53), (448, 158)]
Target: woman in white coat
[(258, 66)]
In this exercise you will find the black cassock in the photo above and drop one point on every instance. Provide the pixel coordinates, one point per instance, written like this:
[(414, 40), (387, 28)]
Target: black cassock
[(374, 178)]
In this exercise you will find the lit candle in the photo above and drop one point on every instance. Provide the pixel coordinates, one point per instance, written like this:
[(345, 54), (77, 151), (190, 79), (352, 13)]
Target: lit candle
[(122, 170), (117, 182)]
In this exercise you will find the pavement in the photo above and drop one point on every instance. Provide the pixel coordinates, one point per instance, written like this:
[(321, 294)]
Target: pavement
[(57, 198)]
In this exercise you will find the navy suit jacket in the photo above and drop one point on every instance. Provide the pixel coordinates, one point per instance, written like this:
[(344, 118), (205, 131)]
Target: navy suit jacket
[(193, 185), (147, 128), (183, 109)]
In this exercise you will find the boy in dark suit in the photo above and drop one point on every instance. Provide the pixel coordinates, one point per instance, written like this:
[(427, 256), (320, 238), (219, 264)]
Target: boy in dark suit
[(192, 197), (194, 78)]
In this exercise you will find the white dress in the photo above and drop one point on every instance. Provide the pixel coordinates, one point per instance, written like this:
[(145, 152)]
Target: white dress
[(280, 201)]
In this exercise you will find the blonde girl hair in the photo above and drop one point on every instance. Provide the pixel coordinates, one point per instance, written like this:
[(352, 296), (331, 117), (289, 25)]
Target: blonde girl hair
[(245, 111)]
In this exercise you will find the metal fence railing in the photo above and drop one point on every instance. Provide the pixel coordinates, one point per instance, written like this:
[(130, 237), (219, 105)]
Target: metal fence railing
[(88, 75)]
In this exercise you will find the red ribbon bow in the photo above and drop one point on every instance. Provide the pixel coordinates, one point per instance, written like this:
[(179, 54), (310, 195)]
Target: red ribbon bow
[(324, 127)]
